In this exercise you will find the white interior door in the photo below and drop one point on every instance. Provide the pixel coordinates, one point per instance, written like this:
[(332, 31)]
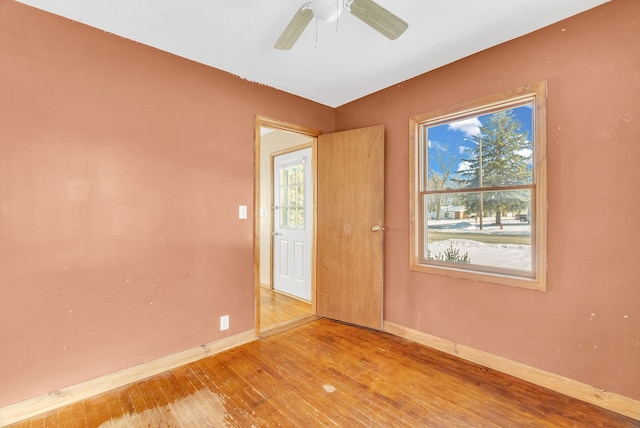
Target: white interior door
[(292, 223)]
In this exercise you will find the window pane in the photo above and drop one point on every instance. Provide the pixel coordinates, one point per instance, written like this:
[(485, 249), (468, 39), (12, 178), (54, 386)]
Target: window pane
[(284, 217), (456, 233), (292, 217), (291, 175), (491, 150), (300, 195), (292, 197)]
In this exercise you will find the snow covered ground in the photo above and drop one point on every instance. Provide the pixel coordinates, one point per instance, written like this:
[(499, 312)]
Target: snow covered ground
[(512, 256), (509, 226)]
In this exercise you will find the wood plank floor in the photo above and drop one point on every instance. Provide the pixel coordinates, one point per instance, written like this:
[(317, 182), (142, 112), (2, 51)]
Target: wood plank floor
[(277, 308), (331, 374)]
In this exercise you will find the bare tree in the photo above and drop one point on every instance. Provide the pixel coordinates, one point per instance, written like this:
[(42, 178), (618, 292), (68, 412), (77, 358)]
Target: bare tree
[(441, 180)]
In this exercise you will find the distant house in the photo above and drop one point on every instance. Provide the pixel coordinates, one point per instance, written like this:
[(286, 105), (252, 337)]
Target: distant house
[(450, 212)]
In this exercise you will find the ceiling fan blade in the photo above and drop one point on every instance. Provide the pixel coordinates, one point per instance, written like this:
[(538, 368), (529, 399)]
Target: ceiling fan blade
[(296, 26), (378, 18)]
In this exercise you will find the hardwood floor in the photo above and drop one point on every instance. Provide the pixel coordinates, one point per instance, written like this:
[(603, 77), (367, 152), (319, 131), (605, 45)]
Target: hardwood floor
[(278, 310), (331, 374)]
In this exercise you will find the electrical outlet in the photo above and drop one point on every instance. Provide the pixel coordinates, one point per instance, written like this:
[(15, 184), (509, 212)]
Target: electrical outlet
[(242, 212), (224, 322)]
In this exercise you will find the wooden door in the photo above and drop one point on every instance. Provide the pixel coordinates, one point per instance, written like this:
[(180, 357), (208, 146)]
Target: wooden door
[(350, 218)]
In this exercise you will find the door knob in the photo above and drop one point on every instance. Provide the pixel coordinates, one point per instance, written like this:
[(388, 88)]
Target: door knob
[(377, 228)]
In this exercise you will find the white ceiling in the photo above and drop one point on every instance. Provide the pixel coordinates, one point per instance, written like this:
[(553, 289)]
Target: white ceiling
[(237, 36)]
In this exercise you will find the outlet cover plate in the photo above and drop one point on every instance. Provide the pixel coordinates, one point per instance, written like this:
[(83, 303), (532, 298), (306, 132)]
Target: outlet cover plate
[(224, 322)]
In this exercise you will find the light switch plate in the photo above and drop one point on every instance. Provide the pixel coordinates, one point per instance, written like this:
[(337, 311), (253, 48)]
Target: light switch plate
[(242, 212)]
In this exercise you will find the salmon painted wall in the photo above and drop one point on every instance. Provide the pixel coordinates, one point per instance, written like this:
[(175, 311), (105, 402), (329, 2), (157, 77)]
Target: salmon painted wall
[(121, 171), (587, 325)]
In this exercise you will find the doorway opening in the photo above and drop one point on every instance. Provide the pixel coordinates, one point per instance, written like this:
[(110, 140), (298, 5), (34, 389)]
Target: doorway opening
[(284, 225)]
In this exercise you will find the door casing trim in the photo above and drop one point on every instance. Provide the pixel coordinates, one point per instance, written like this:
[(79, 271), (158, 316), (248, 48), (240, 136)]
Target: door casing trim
[(267, 122)]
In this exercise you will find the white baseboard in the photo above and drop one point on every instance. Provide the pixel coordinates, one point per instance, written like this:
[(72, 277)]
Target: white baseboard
[(63, 397), (605, 399)]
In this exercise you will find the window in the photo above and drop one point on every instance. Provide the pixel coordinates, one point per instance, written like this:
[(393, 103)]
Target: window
[(292, 196), (478, 189)]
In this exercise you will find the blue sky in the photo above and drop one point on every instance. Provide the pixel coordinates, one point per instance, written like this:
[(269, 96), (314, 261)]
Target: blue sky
[(457, 137)]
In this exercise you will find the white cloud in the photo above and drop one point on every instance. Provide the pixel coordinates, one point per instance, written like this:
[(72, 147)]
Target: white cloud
[(464, 166), (525, 152), (470, 127), (437, 146)]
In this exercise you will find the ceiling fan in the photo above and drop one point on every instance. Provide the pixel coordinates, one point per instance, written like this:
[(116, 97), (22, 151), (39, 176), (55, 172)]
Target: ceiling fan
[(368, 11)]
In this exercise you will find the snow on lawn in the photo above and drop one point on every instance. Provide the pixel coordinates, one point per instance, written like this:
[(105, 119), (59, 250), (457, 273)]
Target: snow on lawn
[(510, 227), (511, 256), (500, 255)]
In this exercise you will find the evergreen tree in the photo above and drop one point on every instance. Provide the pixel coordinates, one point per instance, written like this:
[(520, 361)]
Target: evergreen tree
[(500, 158)]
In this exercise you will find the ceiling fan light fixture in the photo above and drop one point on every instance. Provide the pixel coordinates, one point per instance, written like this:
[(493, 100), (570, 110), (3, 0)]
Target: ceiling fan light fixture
[(367, 11), (326, 10)]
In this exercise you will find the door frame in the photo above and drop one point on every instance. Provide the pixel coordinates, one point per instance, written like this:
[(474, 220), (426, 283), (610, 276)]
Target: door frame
[(259, 122)]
